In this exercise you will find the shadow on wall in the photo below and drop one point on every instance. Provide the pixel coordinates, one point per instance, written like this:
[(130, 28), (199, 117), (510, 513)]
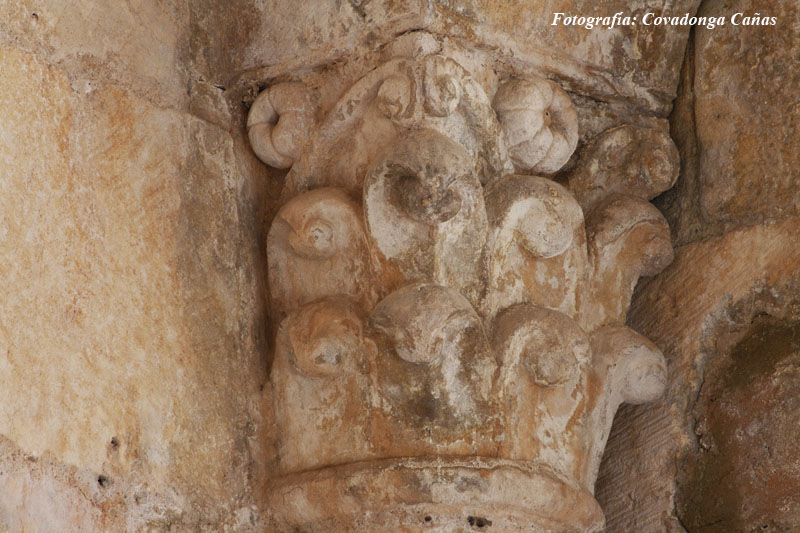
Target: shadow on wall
[(743, 476)]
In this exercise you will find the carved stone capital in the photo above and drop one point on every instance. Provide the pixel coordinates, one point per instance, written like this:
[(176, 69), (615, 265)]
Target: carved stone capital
[(450, 327)]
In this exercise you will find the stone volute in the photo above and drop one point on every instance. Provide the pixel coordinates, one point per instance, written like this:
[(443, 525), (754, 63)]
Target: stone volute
[(451, 344)]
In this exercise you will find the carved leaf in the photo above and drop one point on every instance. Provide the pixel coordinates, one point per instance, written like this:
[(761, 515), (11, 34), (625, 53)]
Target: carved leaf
[(424, 212), (628, 238), (535, 250), (316, 248), (434, 373), (544, 357), (642, 162), (320, 386), (626, 368), (546, 343)]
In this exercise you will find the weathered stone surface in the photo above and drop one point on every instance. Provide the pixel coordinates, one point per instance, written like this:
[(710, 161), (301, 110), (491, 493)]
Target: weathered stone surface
[(295, 36), (637, 61), (424, 298), (642, 162), (631, 63), (737, 123), (405, 244), (744, 474), (733, 213), (140, 44), (126, 306), (539, 123), (685, 311)]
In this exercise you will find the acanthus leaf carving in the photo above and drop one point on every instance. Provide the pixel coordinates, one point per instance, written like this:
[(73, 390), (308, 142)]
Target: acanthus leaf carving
[(546, 343), (628, 238), (536, 247), (626, 368), (320, 385), (449, 326), (634, 160), (546, 358), (318, 248), (435, 375), (424, 211)]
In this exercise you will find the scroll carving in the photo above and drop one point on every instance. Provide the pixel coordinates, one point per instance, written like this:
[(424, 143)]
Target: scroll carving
[(435, 375), (536, 245), (318, 248), (627, 368), (545, 356), (641, 162), (539, 122), (279, 123), (320, 371), (450, 330), (628, 238)]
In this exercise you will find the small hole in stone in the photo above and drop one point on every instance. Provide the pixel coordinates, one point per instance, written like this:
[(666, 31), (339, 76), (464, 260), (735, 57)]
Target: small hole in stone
[(35, 16), (478, 521), (114, 442), (428, 518), (103, 481), (764, 526)]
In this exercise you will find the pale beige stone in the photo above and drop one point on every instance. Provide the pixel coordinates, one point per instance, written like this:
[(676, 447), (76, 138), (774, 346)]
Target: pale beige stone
[(279, 122), (318, 248), (539, 123), (424, 211), (404, 400), (440, 337), (139, 44), (686, 310), (689, 461), (536, 246), (626, 64), (642, 162), (121, 310)]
